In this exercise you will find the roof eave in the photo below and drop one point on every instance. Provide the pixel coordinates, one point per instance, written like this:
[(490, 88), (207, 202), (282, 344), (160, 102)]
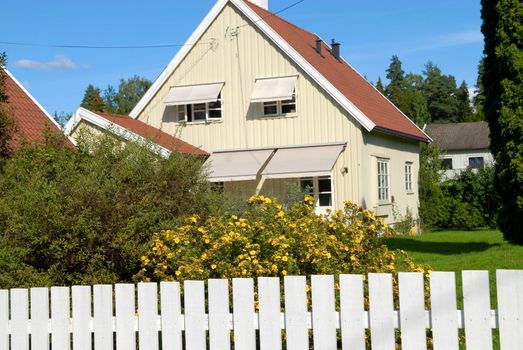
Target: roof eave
[(403, 135)]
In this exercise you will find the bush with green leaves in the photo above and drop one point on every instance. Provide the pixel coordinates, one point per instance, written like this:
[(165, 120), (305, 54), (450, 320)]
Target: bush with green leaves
[(85, 215)]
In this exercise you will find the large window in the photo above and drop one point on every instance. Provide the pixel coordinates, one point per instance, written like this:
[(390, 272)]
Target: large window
[(476, 162), (408, 177), (200, 111), (383, 180), (279, 108), (320, 188)]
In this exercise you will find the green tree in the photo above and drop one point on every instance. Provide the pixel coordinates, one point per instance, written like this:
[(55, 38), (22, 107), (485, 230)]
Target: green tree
[(92, 99), (7, 122), (379, 86), (440, 92), (130, 91), (82, 216), (396, 77), (464, 106), (432, 203), (502, 81)]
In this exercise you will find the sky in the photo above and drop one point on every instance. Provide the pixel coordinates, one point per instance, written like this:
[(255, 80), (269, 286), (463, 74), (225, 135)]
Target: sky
[(446, 32)]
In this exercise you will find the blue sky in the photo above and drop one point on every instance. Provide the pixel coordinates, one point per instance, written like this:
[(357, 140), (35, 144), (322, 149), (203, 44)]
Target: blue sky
[(446, 32)]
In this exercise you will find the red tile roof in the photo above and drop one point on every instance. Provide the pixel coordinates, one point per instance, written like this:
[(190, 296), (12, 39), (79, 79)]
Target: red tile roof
[(158, 136), (340, 74), (30, 118)]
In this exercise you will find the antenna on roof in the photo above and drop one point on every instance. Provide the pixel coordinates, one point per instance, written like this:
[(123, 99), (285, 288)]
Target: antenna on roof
[(335, 49)]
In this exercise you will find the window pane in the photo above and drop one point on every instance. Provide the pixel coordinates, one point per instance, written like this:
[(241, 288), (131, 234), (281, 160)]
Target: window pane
[(307, 185), (325, 200), (215, 114), (324, 184), (446, 163), (199, 111), (216, 104), (476, 162), (270, 108), (181, 113), (288, 106)]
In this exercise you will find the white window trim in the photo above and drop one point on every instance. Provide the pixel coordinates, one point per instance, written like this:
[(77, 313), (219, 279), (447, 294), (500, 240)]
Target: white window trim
[(409, 182), (207, 109), (475, 156), (387, 177), (316, 192), (279, 104)]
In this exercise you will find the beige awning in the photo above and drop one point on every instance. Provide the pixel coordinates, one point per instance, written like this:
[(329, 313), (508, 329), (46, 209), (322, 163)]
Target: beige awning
[(303, 161), (191, 94), (273, 89), (236, 165)]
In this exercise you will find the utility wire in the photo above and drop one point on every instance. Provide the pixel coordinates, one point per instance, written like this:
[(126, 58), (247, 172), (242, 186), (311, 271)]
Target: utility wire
[(152, 46)]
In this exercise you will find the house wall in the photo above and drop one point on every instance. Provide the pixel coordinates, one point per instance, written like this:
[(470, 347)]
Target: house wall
[(238, 55), (460, 160)]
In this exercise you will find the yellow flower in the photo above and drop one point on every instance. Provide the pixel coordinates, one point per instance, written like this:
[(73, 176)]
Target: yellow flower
[(353, 258), (284, 272), (285, 258), (178, 272), (213, 266)]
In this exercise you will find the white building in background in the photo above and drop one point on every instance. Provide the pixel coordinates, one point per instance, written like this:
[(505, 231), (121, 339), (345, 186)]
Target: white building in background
[(462, 145)]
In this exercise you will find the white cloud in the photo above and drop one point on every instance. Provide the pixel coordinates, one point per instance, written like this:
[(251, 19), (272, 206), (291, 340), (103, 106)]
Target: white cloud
[(58, 63), (450, 40)]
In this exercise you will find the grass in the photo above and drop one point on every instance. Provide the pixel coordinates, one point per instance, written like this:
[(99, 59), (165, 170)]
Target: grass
[(463, 250)]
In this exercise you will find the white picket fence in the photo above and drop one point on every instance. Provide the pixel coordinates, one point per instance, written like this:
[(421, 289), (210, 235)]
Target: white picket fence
[(29, 320)]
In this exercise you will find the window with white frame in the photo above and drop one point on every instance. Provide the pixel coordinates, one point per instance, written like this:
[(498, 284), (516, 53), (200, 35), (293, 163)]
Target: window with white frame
[(383, 180), (408, 177), (476, 162), (279, 108), (199, 112), (318, 187)]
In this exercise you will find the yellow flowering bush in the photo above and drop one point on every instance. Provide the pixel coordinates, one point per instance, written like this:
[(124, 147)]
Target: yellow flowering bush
[(266, 240)]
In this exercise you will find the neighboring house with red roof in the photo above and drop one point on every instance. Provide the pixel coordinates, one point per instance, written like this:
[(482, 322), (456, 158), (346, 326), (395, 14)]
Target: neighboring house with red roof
[(273, 104), (31, 119), (128, 129)]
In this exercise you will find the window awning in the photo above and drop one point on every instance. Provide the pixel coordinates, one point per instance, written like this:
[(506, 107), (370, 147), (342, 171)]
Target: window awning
[(236, 165), (273, 89), (190, 94), (303, 161)]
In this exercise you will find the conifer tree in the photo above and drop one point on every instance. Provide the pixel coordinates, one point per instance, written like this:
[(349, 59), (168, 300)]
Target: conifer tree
[(92, 99)]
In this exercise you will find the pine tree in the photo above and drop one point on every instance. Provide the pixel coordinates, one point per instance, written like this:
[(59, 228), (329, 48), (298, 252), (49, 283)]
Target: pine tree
[(92, 99), (7, 122), (502, 80), (379, 86), (464, 107)]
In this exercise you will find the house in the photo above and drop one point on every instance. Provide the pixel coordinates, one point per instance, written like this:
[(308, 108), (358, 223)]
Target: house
[(462, 145), (31, 119), (128, 129), (274, 105)]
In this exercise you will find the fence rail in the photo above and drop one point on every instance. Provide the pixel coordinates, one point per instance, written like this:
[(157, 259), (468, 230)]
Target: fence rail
[(131, 317)]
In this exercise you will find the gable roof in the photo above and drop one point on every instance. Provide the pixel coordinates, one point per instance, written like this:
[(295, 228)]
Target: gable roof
[(30, 117), (355, 94), (460, 136), (132, 129)]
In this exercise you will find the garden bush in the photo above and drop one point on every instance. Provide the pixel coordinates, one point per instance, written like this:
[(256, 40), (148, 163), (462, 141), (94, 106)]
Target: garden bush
[(266, 240), (83, 216)]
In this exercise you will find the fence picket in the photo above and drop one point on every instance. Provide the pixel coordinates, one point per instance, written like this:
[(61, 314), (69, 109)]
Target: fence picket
[(4, 319), (270, 306), (171, 310), (412, 311), (148, 316), (510, 305), (103, 317), (219, 328), (296, 314), (476, 307), (81, 317), (352, 312), (125, 309), (39, 318), (243, 313), (19, 319), (381, 311), (60, 318), (194, 302), (323, 312), (443, 305)]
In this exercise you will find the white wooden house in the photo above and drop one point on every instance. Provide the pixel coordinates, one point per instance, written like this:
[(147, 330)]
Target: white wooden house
[(273, 104)]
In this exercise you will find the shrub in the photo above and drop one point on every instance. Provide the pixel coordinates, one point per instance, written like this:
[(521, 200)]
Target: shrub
[(84, 216), (266, 240)]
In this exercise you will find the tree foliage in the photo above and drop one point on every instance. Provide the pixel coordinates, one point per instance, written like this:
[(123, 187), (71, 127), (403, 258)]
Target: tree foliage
[(83, 216), (92, 99), (502, 81), (7, 122)]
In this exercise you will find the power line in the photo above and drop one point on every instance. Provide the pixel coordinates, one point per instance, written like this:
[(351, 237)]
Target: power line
[(275, 13), (152, 46)]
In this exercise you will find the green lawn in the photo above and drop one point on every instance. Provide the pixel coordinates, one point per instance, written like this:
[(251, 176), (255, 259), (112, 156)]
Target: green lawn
[(462, 250)]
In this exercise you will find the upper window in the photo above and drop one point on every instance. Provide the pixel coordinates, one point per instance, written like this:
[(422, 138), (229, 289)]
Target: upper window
[(476, 162), (446, 164), (408, 177), (277, 108), (383, 180), (196, 103)]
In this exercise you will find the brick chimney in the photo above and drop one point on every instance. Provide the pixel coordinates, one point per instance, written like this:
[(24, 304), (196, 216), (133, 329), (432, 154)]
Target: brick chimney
[(262, 3)]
